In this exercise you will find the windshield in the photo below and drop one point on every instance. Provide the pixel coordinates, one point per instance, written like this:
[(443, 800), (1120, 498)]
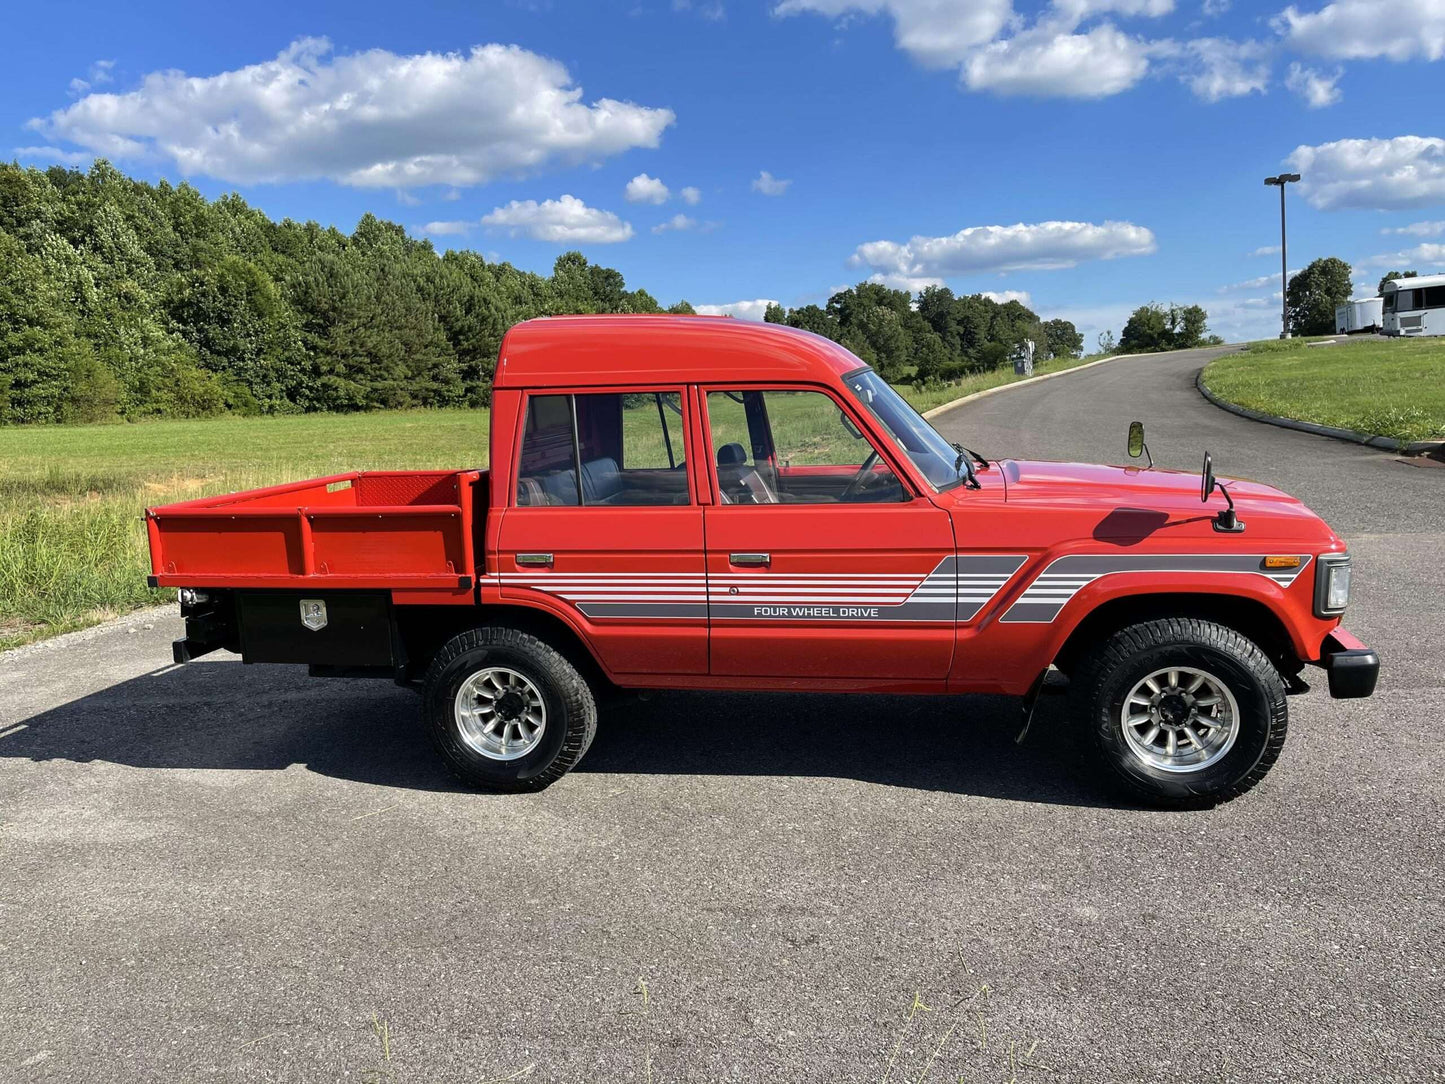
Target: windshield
[(930, 453)]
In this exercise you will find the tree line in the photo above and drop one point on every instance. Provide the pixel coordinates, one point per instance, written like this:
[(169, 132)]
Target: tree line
[(123, 299), (932, 337)]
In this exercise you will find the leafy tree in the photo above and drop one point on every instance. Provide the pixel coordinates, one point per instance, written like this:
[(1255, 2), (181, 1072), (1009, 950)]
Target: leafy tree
[(1064, 340), (1146, 331), (1106, 342), (1313, 294), (775, 314), (1393, 276), (1153, 327)]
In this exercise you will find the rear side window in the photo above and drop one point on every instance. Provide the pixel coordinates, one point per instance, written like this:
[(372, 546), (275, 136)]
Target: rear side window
[(613, 448)]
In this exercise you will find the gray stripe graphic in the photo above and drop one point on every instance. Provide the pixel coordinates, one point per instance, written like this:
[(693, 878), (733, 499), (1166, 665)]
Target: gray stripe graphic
[(957, 589), (1067, 576)]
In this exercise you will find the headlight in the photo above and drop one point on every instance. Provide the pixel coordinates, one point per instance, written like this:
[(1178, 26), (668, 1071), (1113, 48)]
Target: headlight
[(1332, 584)]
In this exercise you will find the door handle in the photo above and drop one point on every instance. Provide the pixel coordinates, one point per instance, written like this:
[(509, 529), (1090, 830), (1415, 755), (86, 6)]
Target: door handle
[(750, 560), (534, 560)]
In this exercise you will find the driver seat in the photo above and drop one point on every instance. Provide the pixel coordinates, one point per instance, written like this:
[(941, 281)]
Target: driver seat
[(739, 482)]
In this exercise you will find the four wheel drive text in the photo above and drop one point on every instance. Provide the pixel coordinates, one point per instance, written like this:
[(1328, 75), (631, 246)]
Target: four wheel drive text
[(704, 503)]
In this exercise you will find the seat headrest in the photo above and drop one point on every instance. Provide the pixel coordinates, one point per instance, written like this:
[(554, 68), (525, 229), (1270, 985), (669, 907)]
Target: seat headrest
[(731, 455)]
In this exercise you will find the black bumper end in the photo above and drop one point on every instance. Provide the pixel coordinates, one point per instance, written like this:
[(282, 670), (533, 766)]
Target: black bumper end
[(1353, 671), (187, 649)]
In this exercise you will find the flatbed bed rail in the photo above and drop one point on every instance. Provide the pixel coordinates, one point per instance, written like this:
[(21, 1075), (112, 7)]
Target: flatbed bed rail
[(363, 529)]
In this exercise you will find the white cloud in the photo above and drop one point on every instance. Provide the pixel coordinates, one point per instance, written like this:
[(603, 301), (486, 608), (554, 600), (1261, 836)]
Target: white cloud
[(446, 229), (769, 185), (936, 33), (69, 158), (566, 221), (1361, 29), (1427, 258), (1316, 88), (1419, 229), (912, 283), (100, 72), (405, 198), (691, 196), (743, 310), (1043, 246), (1255, 283), (1382, 174), (645, 189), (371, 119), (1043, 63), (712, 10), (1226, 68), (1214, 8), (996, 50), (1002, 296), (1266, 250), (676, 222)]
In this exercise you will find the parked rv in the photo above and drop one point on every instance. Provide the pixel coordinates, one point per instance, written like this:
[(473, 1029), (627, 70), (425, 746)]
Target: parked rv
[(1359, 315), (1415, 306)]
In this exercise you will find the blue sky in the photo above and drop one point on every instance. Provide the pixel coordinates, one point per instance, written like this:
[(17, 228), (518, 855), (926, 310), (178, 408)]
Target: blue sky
[(1091, 154)]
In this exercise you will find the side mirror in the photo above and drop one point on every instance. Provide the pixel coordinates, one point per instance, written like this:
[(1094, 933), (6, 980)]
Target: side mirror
[(1226, 521), (1136, 439), (1137, 447)]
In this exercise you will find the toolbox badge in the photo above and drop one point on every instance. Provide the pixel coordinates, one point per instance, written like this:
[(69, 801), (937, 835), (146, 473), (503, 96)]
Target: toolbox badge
[(313, 613)]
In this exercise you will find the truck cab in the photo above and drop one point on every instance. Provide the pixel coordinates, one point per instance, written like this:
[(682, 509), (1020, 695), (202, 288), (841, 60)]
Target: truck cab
[(694, 502)]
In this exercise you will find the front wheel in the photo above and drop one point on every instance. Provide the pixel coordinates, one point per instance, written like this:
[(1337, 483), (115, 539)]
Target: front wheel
[(507, 711), (1184, 712)]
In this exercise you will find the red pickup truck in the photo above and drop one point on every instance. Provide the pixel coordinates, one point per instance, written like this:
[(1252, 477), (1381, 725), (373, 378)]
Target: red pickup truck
[(702, 503)]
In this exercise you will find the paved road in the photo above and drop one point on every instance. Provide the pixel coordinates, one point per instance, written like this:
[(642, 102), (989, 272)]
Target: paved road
[(228, 873)]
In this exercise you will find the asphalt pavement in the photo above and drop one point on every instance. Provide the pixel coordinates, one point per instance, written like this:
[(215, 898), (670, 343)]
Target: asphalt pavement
[(230, 873)]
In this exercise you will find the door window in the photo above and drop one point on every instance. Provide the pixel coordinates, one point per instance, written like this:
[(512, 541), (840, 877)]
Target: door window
[(610, 448), (794, 447)]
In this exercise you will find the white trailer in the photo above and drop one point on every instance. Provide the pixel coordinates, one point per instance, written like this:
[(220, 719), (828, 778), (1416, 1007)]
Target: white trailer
[(1415, 306), (1358, 315)]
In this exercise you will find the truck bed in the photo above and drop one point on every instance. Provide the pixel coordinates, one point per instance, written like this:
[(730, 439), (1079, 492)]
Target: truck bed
[(403, 530)]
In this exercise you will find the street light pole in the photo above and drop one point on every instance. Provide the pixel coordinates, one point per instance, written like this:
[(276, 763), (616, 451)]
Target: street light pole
[(1280, 181)]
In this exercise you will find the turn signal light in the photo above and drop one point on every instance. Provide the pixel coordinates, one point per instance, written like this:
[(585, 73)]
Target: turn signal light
[(1281, 562)]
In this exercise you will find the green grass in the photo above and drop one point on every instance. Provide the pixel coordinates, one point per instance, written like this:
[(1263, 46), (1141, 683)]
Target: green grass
[(72, 540), (927, 398), (1391, 388)]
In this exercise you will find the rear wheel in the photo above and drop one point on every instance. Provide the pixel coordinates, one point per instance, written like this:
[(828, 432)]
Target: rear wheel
[(1183, 712), (507, 711)]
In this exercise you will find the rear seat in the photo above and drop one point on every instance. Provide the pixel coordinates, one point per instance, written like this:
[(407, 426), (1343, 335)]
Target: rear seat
[(600, 480)]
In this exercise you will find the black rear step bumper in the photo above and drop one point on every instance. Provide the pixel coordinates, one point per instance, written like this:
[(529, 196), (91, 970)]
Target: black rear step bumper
[(1352, 667)]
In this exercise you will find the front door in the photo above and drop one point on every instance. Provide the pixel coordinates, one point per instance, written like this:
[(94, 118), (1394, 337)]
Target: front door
[(821, 562), (604, 528)]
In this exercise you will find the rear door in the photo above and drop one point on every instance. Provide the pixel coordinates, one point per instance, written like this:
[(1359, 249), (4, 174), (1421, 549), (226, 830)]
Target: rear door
[(605, 529), (822, 562)]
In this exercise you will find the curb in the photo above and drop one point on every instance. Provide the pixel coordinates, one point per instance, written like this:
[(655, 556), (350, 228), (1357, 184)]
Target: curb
[(944, 407), (1388, 444)]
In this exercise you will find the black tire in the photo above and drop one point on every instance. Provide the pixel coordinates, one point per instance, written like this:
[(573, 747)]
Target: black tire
[(1111, 671), (571, 711)]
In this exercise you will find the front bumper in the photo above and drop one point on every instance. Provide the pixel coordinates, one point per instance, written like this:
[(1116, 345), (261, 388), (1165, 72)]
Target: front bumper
[(1352, 667)]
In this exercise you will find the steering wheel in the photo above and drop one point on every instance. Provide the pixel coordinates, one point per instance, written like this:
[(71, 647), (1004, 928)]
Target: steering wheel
[(855, 484)]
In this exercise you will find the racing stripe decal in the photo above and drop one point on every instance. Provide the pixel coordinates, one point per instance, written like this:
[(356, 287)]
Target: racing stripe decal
[(956, 590), (1065, 577)]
